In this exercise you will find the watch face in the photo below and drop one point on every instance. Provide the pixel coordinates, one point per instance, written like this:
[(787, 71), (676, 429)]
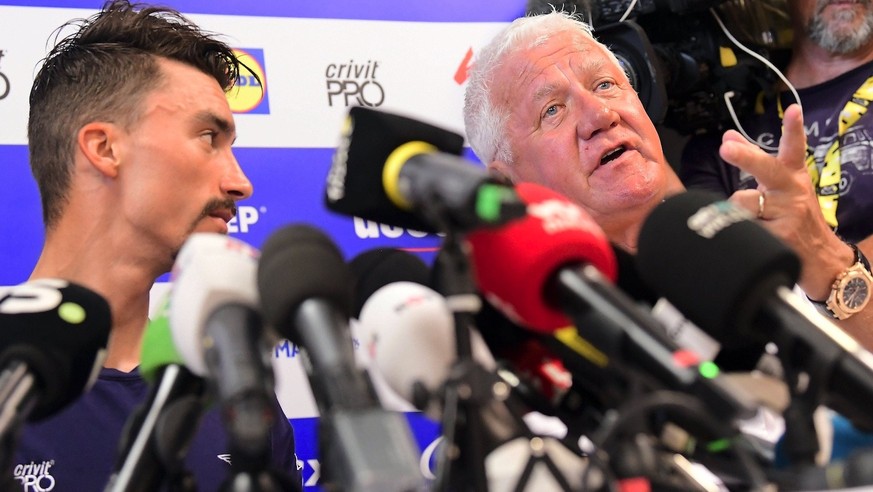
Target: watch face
[(855, 294)]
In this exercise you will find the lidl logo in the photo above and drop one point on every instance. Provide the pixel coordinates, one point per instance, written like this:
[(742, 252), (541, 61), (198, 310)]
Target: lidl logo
[(248, 94)]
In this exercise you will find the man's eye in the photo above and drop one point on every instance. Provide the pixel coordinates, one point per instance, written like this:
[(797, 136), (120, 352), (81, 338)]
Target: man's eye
[(208, 136), (606, 84), (551, 111)]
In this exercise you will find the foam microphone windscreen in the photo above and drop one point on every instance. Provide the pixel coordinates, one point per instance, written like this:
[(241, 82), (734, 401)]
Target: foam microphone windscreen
[(299, 262), (410, 333), (713, 262), (354, 183), (200, 288), (59, 330), (515, 263), (375, 268)]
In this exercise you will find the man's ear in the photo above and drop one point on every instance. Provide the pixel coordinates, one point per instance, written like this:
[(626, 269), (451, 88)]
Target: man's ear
[(501, 171), (98, 141)]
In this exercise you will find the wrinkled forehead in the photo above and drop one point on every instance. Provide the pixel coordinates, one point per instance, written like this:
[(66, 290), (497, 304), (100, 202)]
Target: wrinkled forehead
[(559, 45), (538, 54)]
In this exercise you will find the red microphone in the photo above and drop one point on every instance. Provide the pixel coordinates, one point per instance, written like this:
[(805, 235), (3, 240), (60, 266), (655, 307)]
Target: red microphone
[(515, 263), (556, 265)]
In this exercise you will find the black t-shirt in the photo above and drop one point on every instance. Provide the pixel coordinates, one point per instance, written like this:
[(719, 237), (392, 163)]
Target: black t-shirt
[(76, 449), (702, 168)]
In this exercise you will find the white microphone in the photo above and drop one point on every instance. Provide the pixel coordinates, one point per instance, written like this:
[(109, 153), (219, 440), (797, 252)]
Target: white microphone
[(218, 330), (211, 270), (410, 333)]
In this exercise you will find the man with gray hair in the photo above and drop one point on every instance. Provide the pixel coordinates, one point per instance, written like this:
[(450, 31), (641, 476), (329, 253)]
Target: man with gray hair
[(548, 103)]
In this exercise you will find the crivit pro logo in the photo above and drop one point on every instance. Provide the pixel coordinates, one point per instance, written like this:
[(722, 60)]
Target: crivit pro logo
[(248, 95), (354, 84), (35, 477)]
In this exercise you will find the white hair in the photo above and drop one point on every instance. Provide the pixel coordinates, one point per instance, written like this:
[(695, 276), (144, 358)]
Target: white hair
[(484, 122)]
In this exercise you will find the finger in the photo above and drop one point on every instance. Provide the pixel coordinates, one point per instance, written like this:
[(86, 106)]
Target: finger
[(750, 200), (792, 145), (751, 159), (733, 136)]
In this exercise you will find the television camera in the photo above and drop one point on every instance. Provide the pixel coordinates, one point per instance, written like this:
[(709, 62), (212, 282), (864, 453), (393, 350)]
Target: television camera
[(680, 60)]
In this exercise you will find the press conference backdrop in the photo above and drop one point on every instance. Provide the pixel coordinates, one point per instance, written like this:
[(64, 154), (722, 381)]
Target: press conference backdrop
[(315, 60)]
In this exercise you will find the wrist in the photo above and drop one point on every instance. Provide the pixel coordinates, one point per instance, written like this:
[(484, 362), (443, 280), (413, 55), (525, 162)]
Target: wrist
[(817, 279), (850, 290)]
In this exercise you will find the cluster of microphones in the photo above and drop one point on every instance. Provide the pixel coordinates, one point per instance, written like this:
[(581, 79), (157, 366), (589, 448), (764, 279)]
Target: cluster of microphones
[(527, 309)]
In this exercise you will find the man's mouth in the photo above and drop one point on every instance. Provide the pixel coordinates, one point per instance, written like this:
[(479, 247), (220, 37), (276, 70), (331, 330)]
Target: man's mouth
[(223, 214), (225, 211), (612, 155)]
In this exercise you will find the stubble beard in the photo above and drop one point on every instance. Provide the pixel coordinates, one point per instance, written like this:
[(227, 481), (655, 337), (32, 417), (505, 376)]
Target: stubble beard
[(838, 35)]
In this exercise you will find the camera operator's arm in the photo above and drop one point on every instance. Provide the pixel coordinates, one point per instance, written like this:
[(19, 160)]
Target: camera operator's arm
[(786, 204)]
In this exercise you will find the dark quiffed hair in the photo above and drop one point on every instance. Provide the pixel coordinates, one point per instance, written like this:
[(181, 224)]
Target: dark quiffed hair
[(101, 73)]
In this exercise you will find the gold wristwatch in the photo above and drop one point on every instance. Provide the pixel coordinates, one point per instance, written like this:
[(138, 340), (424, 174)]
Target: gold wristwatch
[(851, 290)]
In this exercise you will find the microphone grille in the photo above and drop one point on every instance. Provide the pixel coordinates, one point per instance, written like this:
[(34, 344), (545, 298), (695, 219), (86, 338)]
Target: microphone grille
[(697, 241), (62, 345), (379, 267), (299, 262)]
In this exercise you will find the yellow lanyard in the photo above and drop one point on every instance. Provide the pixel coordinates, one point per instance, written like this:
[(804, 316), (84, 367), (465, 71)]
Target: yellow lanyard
[(827, 183)]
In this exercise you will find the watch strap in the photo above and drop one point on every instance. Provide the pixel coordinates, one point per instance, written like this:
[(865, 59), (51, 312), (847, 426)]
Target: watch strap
[(859, 256)]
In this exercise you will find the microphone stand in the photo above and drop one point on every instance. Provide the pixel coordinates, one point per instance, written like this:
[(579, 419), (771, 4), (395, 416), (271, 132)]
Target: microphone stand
[(249, 452), (462, 463), (157, 436), (470, 389), (804, 373)]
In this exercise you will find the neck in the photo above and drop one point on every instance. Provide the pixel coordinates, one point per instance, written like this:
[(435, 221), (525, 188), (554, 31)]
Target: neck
[(625, 235), (109, 265), (811, 65), (623, 227)]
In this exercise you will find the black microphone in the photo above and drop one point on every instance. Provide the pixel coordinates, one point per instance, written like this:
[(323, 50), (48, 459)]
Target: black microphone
[(399, 171), (558, 254), (375, 268), (53, 335), (306, 294), (732, 278)]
